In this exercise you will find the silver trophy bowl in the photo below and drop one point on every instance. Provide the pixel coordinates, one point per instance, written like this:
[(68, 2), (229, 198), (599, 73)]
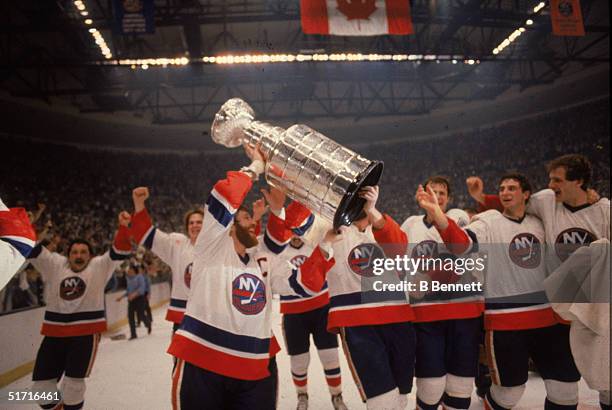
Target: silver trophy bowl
[(309, 167)]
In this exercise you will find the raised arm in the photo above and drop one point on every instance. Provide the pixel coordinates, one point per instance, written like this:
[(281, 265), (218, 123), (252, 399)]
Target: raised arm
[(17, 238), (224, 200), (145, 233), (284, 223), (457, 240), (311, 275), (120, 250), (386, 231), (485, 202)]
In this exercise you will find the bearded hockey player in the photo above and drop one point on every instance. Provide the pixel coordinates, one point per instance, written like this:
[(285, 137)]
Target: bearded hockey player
[(225, 344)]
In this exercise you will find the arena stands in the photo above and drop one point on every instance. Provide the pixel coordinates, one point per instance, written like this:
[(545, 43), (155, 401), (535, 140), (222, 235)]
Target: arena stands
[(84, 190)]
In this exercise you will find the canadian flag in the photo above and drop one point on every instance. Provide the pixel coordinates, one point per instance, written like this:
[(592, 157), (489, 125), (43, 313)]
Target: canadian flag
[(356, 17)]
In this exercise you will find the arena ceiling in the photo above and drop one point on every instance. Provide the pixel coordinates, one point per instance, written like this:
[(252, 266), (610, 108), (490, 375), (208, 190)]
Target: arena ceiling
[(47, 53)]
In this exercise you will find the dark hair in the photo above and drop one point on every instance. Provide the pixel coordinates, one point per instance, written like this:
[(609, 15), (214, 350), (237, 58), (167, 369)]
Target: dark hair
[(241, 208), (576, 167), (439, 179), (188, 215), (79, 241), (135, 266), (520, 178)]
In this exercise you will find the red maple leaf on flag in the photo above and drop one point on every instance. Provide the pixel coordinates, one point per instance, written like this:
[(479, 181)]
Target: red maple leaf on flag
[(357, 9)]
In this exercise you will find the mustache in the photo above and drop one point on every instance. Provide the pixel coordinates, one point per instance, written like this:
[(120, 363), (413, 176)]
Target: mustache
[(245, 237), (79, 261)]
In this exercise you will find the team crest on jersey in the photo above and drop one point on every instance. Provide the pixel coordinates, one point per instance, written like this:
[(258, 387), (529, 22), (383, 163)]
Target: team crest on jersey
[(248, 294), (72, 288), (187, 275), (297, 261), (525, 250), (361, 258), (425, 249), (570, 240)]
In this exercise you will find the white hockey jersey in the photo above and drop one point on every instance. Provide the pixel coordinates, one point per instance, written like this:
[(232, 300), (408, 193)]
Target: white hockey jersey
[(353, 302), (17, 239), (425, 241), (176, 250), (226, 328), (75, 301), (294, 298), (567, 228), (514, 282)]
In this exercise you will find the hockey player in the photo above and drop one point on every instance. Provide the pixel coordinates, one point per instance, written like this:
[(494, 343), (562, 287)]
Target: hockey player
[(519, 321), (569, 219), (447, 325), (75, 315), (305, 314), (175, 249), (17, 238), (225, 344), (375, 327)]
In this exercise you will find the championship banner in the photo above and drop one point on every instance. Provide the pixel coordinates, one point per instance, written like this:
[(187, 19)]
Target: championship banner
[(356, 17), (134, 16), (566, 18)]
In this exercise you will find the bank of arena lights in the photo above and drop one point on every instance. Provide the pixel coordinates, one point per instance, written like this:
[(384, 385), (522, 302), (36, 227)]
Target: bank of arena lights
[(97, 36), (517, 33), (336, 57), (147, 63)]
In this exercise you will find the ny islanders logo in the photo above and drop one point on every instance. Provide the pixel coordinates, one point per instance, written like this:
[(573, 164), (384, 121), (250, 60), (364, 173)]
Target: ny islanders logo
[(187, 275), (72, 288), (248, 294), (425, 249), (361, 258), (297, 261), (525, 251), (570, 240)]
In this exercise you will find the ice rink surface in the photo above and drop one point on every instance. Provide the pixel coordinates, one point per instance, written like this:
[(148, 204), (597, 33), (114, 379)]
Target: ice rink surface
[(136, 374)]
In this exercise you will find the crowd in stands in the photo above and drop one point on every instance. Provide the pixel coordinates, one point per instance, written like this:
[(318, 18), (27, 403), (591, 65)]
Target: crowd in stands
[(84, 190)]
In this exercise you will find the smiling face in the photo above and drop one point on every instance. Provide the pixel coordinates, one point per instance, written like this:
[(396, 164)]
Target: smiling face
[(511, 194), (441, 191), (194, 225), (244, 229), (79, 256), (565, 190)]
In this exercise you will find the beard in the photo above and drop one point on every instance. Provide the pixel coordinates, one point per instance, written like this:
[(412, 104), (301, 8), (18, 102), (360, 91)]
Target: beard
[(245, 238)]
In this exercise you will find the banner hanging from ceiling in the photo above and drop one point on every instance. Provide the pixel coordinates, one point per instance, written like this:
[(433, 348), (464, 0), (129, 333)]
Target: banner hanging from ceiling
[(356, 17), (134, 16), (566, 17)]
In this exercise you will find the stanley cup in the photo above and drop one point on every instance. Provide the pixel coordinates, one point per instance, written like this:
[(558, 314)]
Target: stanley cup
[(305, 164)]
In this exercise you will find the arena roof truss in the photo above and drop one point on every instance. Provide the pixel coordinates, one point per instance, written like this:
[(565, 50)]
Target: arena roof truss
[(47, 52)]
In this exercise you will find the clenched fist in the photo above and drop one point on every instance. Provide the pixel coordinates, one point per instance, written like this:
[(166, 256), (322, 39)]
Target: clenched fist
[(475, 188), (125, 218), (139, 196)]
